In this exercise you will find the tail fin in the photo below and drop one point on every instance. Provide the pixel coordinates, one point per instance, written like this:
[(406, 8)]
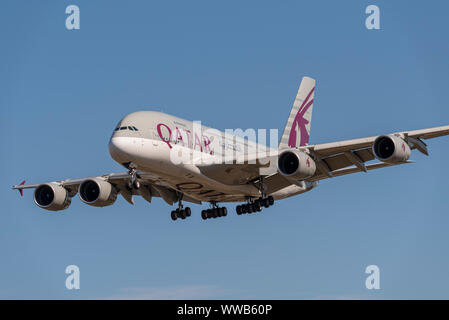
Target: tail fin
[(297, 131), (20, 189)]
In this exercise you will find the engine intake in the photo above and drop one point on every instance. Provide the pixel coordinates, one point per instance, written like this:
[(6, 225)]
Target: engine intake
[(391, 149), (52, 196), (97, 192), (295, 164)]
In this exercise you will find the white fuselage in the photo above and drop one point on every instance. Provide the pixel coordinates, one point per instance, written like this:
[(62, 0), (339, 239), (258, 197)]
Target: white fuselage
[(183, 155)]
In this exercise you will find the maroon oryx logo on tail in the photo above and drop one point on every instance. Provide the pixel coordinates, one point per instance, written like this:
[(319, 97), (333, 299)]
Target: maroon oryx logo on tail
[(298, 131)]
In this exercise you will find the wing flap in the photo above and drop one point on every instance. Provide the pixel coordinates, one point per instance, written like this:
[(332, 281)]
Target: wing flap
[(341, 160), (275, 183), (354, 169)]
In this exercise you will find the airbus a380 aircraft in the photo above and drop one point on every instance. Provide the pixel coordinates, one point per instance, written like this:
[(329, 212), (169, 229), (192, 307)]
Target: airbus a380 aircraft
[(147, 143)]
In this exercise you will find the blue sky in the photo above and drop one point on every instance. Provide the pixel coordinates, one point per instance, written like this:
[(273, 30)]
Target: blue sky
[(231, 64)]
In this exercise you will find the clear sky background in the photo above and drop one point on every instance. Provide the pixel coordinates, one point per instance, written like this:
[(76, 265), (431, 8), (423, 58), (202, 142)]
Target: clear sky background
[(231, 64)]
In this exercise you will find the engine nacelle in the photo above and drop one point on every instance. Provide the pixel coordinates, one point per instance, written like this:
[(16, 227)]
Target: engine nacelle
[(52, 196), (97, 192), (391, 149), (295, 164)]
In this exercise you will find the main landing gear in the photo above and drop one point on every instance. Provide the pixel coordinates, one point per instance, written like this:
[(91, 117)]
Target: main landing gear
[(214, 212), (180, 212), (255, 206)]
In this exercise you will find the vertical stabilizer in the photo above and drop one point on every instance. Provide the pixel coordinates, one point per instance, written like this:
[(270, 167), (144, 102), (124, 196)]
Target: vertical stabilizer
[(297, 131)]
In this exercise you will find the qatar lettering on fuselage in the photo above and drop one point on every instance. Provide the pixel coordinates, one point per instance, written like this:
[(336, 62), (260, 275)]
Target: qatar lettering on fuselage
[(196, 140)]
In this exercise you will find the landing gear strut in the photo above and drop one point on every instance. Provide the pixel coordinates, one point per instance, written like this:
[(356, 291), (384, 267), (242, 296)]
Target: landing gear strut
[(214, 212), (180, 212), (256, 205), (133, 182)]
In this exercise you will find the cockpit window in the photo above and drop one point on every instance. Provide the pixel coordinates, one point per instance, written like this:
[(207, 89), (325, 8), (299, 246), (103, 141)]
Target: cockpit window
[(132, 128)]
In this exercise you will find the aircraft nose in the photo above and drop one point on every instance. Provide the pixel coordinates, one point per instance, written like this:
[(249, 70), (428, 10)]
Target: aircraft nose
[(117, 147), (125, 149)]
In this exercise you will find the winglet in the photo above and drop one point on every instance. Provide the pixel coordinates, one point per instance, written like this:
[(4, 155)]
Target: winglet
[(20, 190)]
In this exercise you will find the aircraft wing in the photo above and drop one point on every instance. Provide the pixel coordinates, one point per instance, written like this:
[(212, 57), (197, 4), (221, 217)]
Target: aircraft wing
[(150, 186), (349, 156), (332, 160)]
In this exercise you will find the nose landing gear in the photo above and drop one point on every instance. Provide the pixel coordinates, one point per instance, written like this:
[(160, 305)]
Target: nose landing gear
[(133, 183)]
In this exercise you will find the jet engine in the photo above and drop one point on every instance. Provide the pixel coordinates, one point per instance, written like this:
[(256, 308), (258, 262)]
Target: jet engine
[(97, 192), (295, 164), (391, 149), (52, 196)]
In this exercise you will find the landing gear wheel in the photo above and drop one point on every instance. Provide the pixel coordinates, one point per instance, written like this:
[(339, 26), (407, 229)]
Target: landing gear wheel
[(174, 215), (238, 209), (182, 214), (265, 203), (188, 212), (214, 212), (136, 185), (270, 200), (254, 207)]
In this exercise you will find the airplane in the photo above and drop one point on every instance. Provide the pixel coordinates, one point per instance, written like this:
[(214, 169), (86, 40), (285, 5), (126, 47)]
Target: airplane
[(227, 168)]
